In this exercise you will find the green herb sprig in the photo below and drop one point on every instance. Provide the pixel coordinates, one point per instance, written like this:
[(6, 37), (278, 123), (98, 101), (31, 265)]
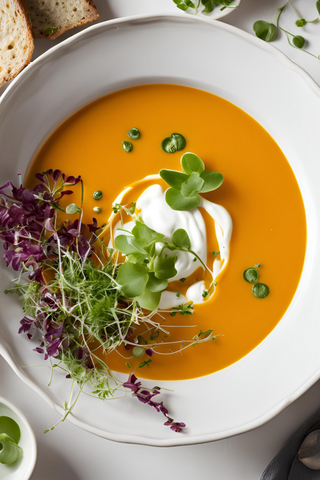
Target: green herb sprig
[(208, 5), (185, 187)]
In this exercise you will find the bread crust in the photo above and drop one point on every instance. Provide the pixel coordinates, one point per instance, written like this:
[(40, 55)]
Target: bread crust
[(91, 16), (29, 38)]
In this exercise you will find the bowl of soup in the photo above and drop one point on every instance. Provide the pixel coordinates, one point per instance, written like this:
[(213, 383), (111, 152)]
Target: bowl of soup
[(235, 108)]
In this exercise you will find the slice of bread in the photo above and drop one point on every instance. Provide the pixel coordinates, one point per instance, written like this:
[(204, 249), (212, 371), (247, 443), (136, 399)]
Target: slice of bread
[(16, 42), (51, 18)]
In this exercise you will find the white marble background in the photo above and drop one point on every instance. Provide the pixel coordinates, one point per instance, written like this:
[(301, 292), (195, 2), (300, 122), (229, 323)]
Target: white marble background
[(72, 454)]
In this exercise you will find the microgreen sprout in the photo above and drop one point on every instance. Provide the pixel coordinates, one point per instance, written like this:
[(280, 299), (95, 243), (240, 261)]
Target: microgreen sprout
[(186, 187), (208, 5), (269, 31), (215, 254), (145, 363)]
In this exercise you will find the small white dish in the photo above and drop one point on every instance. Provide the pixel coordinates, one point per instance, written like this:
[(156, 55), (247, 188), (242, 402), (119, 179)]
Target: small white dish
[(22, 469)]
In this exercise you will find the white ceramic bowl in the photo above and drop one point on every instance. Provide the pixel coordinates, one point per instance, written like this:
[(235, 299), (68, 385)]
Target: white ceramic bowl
[(22, 469), (278, 94)]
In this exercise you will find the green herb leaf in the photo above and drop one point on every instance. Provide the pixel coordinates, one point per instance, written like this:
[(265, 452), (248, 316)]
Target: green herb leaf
[(260, 290), (181, 239), (10, 428), (164, 268), (127, 244), (192, 186), (209, 6), (156, 284), (301, 23), (178, 202), (149, 300), (145, 363), (212, 181), (298, 41), (48, 31), (251, 275), (133, 279), (190, 163), (72, 209), (145, 235), (173, 178), (265, 30), (9, 451)]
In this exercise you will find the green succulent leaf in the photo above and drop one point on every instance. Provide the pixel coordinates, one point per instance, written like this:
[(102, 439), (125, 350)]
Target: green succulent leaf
[(265, 30), (192, 186), (146, 236), (10, 428), (156, 284), (181, 239), (173, 178), (177, 201), (212, 181), (164, 268), (133, 279), (190, 163), (127, 244), (149, 300)]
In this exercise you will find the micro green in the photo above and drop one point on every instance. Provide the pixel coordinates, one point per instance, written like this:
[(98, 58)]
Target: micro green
[(72, 209), (145, 363), (208, 5), (268, 31), (134, 133), (127, 146), (215, 254), (186, 187), (174, 143), (48, 31)]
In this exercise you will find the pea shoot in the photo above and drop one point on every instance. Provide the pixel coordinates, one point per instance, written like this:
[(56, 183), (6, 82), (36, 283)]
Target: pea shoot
[(208, 5), (134, 133), (174, 143), (127, 146), (97, 195), (268, 31)]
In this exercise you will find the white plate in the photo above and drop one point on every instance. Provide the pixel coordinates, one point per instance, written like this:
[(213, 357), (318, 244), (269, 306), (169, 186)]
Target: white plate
[(21, 469), (277, 93)]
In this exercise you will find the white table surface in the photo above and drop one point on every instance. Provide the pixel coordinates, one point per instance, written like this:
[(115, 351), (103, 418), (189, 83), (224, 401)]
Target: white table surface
[(69, 453)]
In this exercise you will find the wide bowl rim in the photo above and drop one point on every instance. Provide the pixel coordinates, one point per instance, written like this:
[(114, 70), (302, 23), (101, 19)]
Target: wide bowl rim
[(5, 349)]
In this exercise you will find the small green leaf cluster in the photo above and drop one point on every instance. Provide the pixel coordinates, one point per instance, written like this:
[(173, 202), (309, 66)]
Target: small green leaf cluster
[(268, 31), (185, 187), (208, 5), (251, 275), (146, 271), (9, 438)]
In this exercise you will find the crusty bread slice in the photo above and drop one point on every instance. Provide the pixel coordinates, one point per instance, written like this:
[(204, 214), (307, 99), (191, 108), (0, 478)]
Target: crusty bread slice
[(16, 42), (51, 18)]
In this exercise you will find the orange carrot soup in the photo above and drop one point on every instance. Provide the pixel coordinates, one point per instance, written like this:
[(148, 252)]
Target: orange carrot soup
[(259, 192)]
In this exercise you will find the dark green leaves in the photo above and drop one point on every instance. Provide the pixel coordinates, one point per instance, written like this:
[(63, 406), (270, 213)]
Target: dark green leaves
[(265, 30), (185, 187), (208, 5), (301, 22), (184, 4), (173, 143)]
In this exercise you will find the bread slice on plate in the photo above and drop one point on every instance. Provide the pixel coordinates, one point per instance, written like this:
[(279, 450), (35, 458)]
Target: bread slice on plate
[(16, 42), (51, 18)]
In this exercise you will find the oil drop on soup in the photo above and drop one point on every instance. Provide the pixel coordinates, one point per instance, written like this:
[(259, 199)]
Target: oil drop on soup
[(260, 193)]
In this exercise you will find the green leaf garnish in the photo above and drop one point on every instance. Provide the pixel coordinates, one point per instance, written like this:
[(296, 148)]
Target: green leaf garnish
[(164, 267), (298, 41), (265, 30), (185, 187), (48, 31), (145, 363), (72, 209), (177, 201), (173, 143), (251, 275), (260, 290), (149, 300), (10, 428), (181, 239), (9, 450), (133, 279), (156, 284)]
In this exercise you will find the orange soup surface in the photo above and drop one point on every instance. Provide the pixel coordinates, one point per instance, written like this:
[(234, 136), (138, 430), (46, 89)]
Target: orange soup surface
[(260, 192)]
